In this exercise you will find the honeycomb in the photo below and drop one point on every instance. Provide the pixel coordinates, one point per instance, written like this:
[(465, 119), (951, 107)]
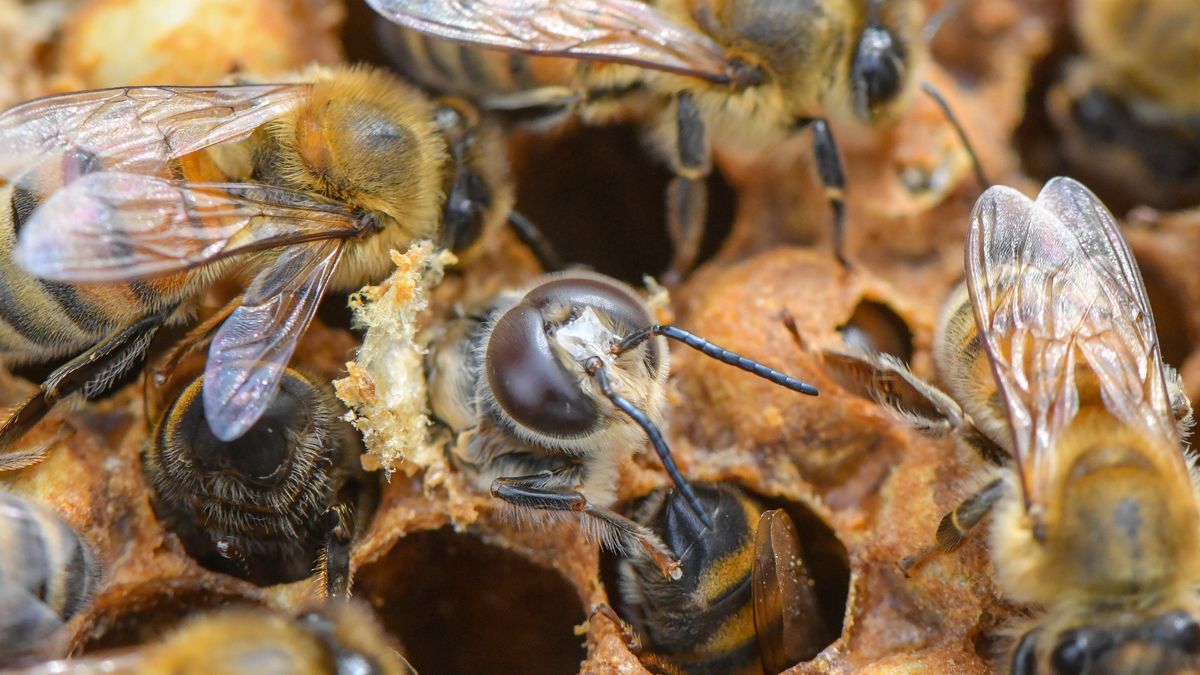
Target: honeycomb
[(465, 589)]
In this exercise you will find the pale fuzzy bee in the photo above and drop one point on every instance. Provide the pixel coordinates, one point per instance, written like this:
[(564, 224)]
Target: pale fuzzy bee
[(332, 637), (48, 574), (122, 205), (552, 387), (746, 72), (1054, 371), (272, 504)]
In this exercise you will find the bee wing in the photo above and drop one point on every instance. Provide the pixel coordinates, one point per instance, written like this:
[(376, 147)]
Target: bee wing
[(50, 141), (1053, 282), (107, 227), (626, 31), (22, 613), (247, 357), (787, 616)]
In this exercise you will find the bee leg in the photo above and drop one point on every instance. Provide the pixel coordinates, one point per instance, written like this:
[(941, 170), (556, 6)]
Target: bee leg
[(633, 642), (957, 524), (947, 112), (334, 566), (548, 491), (833, 177), (886, 380), (91, 372), (535, 240), (687, 195)]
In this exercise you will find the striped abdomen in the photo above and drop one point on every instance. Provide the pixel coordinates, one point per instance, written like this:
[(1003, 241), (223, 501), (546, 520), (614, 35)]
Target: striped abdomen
[(42, 319), (263, 495), (478, 74), (47, 575), (704, 622)]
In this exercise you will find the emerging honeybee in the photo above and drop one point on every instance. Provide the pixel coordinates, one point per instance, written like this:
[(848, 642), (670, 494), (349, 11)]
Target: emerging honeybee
[(751, 72), (266, 506), (1129, 109), (1052, 354), (553, 386), (48, 574), (333, 637), (125, 203), (746, 602)]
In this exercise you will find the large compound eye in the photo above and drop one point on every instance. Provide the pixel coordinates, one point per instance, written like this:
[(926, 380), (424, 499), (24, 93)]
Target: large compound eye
[(1182, 632), (529, 382), (1076, 650), (877, 72)]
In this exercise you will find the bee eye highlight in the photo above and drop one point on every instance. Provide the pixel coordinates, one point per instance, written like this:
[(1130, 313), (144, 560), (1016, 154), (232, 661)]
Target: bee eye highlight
[(1076, 651), (529, 383)]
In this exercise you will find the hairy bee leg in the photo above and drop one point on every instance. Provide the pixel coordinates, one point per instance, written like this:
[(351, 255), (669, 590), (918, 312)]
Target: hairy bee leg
[(17, 424), (531, 492), (957, 524), (535, 240), (91, 372), (687, 195), (833, 177), (335, 559), (633, 642)]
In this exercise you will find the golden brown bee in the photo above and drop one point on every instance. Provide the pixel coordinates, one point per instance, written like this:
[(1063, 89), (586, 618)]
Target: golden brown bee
[(745, 603), (266, 506), (1128, 109), (553, 386), (1052, 354), (48, 574), (750, 72), (334, 637), (125, 203)]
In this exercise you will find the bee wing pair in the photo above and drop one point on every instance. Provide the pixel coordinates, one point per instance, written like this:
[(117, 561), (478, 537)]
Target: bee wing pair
[(1054, 286), (624, 31), (787, 615), (114, 213)]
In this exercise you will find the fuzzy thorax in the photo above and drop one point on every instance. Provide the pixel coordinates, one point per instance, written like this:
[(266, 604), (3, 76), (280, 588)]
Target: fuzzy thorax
[(365, 139)]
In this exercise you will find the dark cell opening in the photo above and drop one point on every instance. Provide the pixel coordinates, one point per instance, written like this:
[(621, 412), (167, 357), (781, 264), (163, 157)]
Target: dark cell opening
[(146, 616), (878, 328), (461, 605), (600, 197)]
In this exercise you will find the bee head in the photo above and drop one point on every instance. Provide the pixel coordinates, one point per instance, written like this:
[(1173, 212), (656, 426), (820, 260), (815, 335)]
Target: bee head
[(882, 67), (536, 352), (1169, 643), (370, 141)]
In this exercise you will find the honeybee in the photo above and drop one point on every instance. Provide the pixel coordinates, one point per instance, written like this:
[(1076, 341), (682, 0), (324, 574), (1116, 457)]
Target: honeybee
[(270, 504), (551, 387), (745, 603), (126, 203), (749, 72), (1052, 354), (1128, 108), (333, 637), (48, 574)]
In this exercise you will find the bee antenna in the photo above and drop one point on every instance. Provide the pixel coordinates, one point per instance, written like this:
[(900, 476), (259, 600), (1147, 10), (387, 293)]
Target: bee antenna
[(596, 369), (719, 353), (932, 92), (939, 17)]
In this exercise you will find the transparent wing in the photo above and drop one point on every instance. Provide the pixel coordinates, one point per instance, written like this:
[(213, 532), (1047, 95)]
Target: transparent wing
[(24, 614), (787, 614), (130, 129), (248, 354), (1064, 317), (109, 227), (626, 31)]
